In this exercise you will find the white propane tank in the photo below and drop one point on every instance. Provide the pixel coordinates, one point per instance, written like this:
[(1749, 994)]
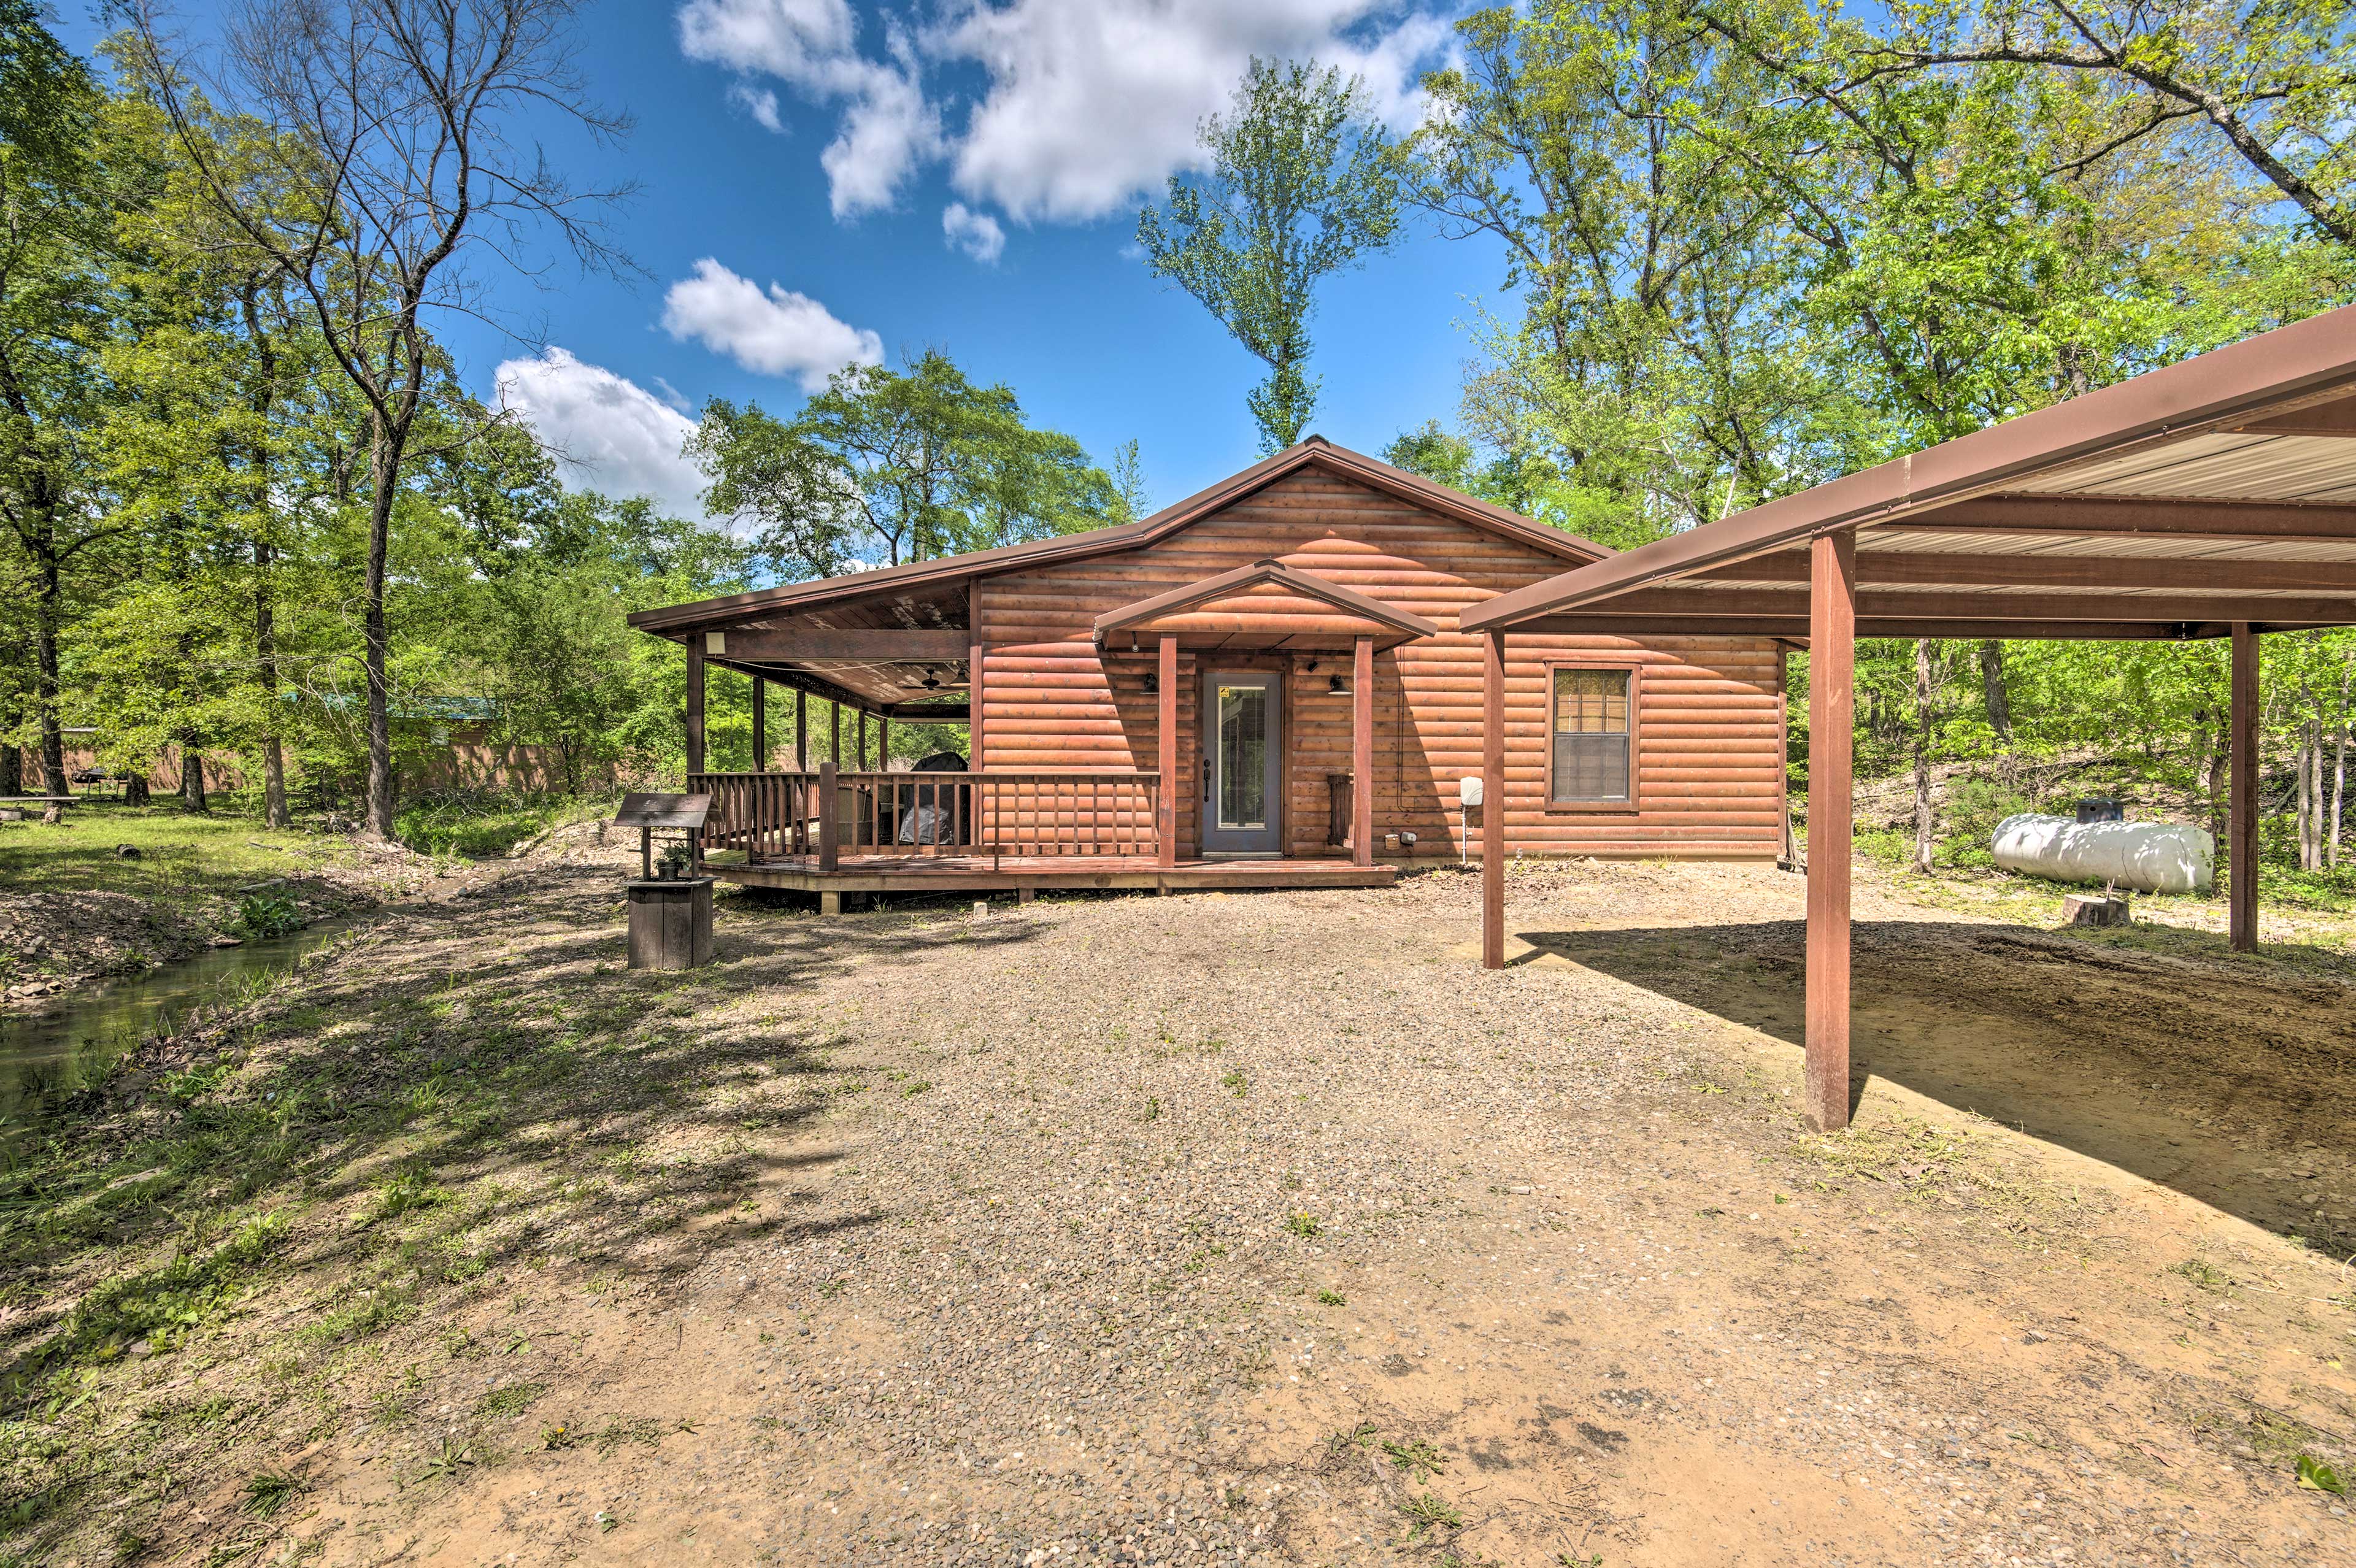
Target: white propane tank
[(2149, 857)]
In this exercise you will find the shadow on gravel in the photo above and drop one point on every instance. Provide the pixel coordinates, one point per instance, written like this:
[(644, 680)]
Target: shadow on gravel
[(2230, 1081), (478, 1085)]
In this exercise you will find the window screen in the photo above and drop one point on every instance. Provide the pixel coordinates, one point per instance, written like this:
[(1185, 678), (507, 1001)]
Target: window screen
[(1591, 735)]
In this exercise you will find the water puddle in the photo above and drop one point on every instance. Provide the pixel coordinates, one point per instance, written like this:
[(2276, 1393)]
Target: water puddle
[(50, 1053)]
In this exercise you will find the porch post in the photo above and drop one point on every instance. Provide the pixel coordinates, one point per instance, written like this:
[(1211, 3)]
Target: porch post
[(973, 709), (834, 744), (883, 743), (1832, 704), (695, 703), (802, 731), (1165, 801), (1493, 800), (830, 817), (860, 766), (1362, 754), (760, 725), (2242, 820)]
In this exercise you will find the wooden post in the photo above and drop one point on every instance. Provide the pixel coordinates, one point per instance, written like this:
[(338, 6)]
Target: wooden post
[(1832, 712), (1166, 802), (695, 703), (802, 731), (882, 744), (973, 709), (861, 765), (760, 725), (1362, 754), (1493, 800), (834, 722), (2242, 818), (830, 817)]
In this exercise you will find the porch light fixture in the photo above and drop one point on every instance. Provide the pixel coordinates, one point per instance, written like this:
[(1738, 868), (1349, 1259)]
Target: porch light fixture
[(1153, 680), (1336, 685)]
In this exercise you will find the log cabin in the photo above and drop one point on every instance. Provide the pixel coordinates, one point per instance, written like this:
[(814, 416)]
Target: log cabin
[(1260, 686)]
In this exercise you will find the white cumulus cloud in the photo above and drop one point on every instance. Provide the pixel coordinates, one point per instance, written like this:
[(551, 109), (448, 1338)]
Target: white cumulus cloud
[(761, 104), (977, 234), (1084, 105), (887, 125), (776, 332), (610, 434)]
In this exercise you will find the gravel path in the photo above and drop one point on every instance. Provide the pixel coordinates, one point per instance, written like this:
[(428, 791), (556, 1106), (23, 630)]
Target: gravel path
[(1263, 1229)]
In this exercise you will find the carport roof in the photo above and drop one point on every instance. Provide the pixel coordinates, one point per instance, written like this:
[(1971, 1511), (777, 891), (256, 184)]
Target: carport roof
[(2217, 490)]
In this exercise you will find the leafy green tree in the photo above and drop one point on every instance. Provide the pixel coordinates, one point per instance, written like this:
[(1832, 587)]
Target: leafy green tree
[(913, 465), (2269, 83), (57, 302), (1657, 368), (1300, 186), (390, 132)]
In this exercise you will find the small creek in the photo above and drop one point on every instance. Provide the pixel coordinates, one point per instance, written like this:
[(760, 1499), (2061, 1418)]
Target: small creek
[(69, 1045)]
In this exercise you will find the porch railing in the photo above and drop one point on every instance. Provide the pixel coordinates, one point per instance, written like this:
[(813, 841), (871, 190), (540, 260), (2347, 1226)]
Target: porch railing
[(1026, 814)]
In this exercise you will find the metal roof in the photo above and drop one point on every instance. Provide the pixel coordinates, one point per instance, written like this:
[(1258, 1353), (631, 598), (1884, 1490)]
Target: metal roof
[(2220, 489)]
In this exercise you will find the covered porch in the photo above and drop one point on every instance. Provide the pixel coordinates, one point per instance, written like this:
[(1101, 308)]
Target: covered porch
[(2215, 499), (839, 819)]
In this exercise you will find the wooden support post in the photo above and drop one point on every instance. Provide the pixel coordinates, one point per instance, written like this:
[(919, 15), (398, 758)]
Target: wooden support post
[(760, 725), (1165, 800), (801, 731), (1832, 712), (695, 703), (1362, 754), (1492, 800), (973, 709), (834, 722), (830, 817), (2242, 818), (883, 745), (861, 765)]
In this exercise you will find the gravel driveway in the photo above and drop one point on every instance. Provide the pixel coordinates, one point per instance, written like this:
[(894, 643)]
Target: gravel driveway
[(1268, 1228)]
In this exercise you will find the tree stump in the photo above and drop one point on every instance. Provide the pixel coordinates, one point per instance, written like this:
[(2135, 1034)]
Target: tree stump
[(670, 923), (2096, 909)]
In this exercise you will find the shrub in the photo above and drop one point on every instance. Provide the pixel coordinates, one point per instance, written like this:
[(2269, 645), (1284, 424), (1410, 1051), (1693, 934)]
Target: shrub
[(266, 915)]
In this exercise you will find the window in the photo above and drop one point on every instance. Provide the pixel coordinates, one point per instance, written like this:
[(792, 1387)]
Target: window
[(1593, 732)]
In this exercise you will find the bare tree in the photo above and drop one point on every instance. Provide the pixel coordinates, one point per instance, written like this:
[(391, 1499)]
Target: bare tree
[(388, 161)]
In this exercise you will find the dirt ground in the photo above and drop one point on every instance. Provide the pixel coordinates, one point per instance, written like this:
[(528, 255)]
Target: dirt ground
[(1258, 1228)]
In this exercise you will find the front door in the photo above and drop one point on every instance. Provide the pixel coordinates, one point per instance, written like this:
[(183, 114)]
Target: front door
[(1243, 765)]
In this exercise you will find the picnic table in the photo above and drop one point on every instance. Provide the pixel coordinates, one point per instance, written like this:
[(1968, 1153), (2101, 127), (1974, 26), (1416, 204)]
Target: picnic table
[(53, 807)]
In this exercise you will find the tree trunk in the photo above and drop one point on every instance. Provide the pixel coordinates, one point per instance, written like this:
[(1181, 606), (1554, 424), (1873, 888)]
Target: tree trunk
[(135, 790), (12, 768), (1924, 826), (2339, 768), (2219, 750), (265, 644), (2315, 791), (46, 616), (384, 473), (1992, 692), (192, 775)]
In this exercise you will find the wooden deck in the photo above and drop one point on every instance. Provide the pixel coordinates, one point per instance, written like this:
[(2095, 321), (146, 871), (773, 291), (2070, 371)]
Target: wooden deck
[(985, 873)]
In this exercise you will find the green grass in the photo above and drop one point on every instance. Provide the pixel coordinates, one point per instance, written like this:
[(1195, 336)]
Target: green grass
[(179, 854), (479, 825)]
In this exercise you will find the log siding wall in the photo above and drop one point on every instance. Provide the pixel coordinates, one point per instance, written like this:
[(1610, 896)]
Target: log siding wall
[(1709, 753)]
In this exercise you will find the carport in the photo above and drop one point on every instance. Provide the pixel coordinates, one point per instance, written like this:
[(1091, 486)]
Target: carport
[(2213, 498)]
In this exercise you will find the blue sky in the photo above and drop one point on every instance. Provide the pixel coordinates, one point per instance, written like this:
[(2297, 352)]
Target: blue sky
[(811, 148)]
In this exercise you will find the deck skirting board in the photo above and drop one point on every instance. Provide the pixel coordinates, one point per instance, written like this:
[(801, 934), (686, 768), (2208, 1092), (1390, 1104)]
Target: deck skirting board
[(917, 874)]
